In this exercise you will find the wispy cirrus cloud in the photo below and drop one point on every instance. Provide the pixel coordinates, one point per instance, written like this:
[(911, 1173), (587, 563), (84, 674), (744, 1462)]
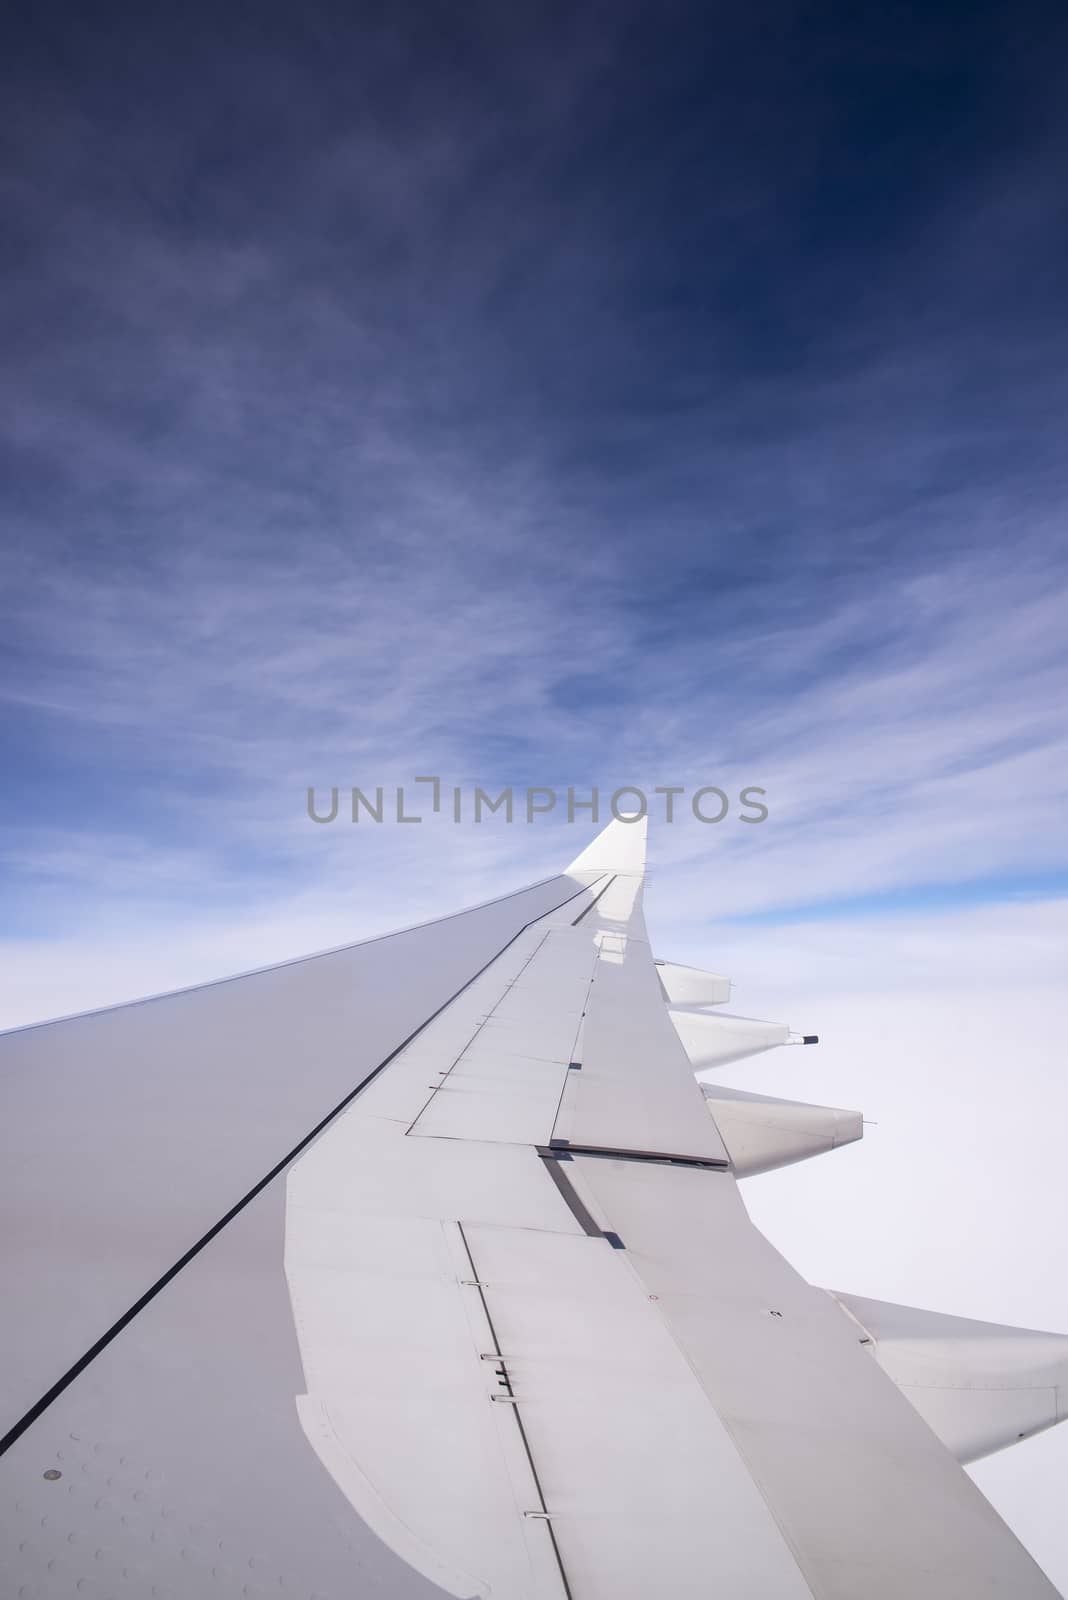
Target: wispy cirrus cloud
[(407, 418)]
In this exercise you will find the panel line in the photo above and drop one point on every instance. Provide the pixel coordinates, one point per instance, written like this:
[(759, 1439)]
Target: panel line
[(658, 1157), (518, 1418)]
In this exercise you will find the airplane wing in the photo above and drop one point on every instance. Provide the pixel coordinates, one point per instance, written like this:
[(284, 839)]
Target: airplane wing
[(421, 1266)]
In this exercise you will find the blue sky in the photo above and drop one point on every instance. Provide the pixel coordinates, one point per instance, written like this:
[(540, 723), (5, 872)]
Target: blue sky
[(556, 397)]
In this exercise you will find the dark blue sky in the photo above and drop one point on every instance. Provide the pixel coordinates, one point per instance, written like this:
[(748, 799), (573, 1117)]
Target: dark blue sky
[(531, 394)]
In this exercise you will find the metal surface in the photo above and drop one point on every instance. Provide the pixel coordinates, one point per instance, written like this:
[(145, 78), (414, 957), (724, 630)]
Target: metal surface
[(713, 1039), (762, 1133), (870, 1502), (330, 1318), (636, 1089), (979, 1385), (128, 1133), (185, 1472)]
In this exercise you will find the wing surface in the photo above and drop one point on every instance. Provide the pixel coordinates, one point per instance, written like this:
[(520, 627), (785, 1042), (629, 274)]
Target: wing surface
[(980, 1386), (148, 1352), (421, 1266)]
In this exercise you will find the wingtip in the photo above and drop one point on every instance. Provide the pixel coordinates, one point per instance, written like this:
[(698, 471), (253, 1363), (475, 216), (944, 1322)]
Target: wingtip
[(618, 848)]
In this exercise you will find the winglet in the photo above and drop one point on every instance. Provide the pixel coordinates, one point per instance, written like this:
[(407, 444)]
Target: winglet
[(618, 848)]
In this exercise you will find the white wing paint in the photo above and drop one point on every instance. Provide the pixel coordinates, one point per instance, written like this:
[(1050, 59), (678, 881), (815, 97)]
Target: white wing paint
[(979, 1385), (762, 1133), (689, 986), (421, 1267)]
